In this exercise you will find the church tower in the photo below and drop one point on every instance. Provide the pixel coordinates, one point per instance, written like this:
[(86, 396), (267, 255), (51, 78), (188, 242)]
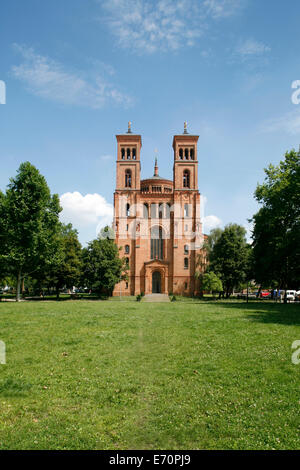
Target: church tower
[(126, 199), (185, 168), (187, 219), (128, 161), (157, 220)]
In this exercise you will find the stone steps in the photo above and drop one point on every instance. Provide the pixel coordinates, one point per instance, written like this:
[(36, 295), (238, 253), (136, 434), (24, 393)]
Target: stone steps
[(156, 298)]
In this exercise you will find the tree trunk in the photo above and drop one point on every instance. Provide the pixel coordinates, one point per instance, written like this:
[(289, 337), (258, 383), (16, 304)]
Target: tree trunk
[(285, 294), (18, 286), (57, 292), (259, 291), (278, 289)]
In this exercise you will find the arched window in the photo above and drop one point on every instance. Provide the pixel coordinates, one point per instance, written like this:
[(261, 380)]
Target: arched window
[(192, 154), (153, 211), (168, 210), (186, 179), (127, 210), (186, 263), (186, 249), (133, 154), (145, 211), (127, 249), (127, 263), (181, 154), (128, 179), (186, 210), (186, 154), (123, 154), (161, 211), (157, 243), (128, 154)]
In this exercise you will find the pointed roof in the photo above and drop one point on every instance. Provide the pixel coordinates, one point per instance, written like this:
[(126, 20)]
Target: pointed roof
[(155, 175), (156, 169)]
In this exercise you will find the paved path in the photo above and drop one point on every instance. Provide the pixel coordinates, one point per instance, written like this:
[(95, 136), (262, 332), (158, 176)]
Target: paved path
[(156, 298)]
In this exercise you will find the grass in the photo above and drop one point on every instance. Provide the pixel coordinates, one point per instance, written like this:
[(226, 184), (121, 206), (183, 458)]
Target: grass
[(129, 375)]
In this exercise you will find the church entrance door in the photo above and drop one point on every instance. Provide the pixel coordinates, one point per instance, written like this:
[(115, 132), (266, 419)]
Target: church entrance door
[(156, 282)]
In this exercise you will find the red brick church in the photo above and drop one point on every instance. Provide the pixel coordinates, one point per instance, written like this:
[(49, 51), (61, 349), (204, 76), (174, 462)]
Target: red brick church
[(157, 220)]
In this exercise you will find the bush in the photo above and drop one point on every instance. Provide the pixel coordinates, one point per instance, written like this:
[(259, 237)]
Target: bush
[(142, 294), (173, 299), (138, 298)]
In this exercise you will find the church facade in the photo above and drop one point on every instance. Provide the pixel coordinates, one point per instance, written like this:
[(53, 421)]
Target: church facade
[(157, 220)]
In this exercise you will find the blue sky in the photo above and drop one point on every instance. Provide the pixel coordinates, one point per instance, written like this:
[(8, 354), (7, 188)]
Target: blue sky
[(77, 71)]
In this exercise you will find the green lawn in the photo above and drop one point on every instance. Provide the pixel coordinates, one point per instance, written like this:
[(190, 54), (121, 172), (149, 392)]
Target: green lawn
[(129, 375)]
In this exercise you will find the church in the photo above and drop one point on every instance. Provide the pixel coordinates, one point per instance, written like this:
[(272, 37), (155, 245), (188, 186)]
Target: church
[(157, 221)]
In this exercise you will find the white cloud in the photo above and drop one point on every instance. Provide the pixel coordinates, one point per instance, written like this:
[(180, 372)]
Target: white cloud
[(253, 54), (89, 211), (210, 222), (222, 8), (288, 123), (249, 228), (49, 79), (250, 47), (147, 26)]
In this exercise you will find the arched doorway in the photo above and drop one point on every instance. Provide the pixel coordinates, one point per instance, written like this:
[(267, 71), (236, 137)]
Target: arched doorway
[(157, 243), (156, 282)]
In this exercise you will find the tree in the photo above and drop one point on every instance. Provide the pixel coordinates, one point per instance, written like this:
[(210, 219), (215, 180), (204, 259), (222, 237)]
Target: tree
[(102, 266), (228, 257), (3, 263), (203, 255), (212, 239), (276, 232), (29, 224), (211, 283), (67, 269)]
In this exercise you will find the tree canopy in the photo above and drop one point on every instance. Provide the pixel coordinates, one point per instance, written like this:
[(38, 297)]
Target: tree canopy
[(29, 217), (228, 256), (276, 232), (67, 268), (102, 266), (211, 283)]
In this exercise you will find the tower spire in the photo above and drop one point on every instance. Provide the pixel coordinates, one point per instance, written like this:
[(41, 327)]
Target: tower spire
[(129, 128), (185, 128), (156, 168)]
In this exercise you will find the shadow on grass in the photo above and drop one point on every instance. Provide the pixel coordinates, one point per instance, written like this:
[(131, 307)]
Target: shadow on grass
[(256, 310), (284, 314), (13, 387), (62, 299)]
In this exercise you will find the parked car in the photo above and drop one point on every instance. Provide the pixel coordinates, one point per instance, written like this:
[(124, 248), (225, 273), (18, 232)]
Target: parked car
[(265, 294), (290, 295)]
